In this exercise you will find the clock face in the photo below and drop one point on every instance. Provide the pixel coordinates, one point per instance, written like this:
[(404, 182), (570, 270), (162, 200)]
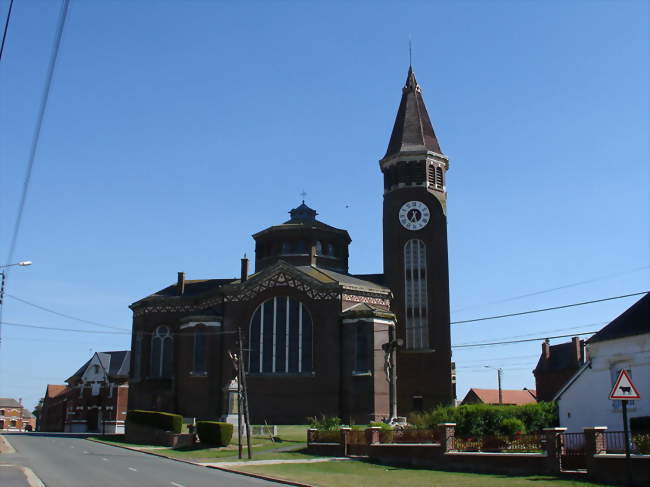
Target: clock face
[(414, 215)]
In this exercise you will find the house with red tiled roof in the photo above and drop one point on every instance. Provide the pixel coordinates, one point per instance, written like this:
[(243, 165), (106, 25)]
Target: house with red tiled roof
[(508, 396)]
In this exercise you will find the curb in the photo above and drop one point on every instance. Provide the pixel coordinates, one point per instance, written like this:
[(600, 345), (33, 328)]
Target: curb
[(254, 475), (5, 446)]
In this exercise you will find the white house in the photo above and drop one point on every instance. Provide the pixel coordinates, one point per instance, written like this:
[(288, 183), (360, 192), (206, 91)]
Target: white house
[(622, 344)]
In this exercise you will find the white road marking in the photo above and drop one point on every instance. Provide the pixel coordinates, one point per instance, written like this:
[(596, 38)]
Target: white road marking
[(105, 459), (85, 452), (132, 469), (175, 484)]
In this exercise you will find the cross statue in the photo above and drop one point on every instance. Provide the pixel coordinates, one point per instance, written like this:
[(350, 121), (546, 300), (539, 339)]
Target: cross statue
[(303, 194)]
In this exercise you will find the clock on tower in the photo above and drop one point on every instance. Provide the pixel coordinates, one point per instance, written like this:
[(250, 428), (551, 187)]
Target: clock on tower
[(415, 254)]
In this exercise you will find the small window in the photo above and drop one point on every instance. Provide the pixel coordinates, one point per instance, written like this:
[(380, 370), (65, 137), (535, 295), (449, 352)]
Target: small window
[(161, 352), (319, 248), (418, 403)]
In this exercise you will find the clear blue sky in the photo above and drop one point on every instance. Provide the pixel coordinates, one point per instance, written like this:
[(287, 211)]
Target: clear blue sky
[(175, 130)]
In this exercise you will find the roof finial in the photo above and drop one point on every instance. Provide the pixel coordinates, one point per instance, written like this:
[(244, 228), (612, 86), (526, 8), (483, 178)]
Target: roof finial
[(303, 194), (410, 52)]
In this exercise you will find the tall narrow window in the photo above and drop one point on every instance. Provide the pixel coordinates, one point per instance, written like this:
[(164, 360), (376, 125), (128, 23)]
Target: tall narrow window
[(415, 287), (161, 352), (199, 350), (280, 337), (363, 347), (137, 359)]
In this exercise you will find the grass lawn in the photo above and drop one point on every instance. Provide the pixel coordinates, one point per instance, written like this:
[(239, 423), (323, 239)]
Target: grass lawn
[(361, 474), (293, 437)]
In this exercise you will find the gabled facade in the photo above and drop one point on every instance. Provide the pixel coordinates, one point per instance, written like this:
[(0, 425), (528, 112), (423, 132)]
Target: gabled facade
[(556, 365), (11, 414), (94, 399), (312, 332), (622, 344)]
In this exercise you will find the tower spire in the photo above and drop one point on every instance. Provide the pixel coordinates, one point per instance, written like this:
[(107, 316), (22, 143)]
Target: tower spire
[(412, 131)]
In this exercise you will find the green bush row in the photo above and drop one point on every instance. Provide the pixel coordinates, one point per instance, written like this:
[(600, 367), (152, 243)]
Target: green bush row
[(214, 432), (156, 419), (486, 420)]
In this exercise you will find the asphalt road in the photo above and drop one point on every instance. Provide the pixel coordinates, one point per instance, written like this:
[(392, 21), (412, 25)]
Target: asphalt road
[(61, 460)]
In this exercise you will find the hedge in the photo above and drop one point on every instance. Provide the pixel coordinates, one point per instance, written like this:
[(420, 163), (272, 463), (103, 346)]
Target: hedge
[(156, 419), (214, 432), (486, 420)]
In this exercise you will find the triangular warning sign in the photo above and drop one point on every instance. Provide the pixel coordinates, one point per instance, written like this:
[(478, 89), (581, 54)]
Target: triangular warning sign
[(624, 388)]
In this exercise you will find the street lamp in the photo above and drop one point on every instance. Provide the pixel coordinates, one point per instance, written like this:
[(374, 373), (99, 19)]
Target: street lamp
[(499, 372), (3, 278), (390, 366)]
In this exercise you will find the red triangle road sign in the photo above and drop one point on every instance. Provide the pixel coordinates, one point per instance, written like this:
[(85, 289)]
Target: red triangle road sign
[(624, 388)]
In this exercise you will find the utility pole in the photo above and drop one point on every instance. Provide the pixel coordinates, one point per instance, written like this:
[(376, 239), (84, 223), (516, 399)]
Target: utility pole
[(244, 394), (499, 373)]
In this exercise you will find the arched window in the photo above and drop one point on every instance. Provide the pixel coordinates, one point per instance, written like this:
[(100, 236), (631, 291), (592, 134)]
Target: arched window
[(415, 287), (199, 350), (319, 247), (280, 338), (161, 352), (137, 359)]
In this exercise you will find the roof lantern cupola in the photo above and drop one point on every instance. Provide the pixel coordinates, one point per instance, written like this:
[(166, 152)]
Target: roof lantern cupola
[(303, 240)]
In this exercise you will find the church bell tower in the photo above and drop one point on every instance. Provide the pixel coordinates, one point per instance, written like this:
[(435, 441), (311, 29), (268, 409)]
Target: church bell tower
[(415, 254)]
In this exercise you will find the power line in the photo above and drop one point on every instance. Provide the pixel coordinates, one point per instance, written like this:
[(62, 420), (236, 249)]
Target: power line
[(43, 308), (535, 333), (547, 309), (63, 14), (565, 286), (39, 124), (4, 34), (522, 341), (24, 325)]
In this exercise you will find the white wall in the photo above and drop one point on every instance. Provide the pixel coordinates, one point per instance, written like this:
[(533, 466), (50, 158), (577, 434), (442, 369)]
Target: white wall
[(586, 403)]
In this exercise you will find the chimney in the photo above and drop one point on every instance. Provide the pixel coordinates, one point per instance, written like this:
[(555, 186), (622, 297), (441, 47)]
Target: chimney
[(312, 255), (180, 284), (577, 349), (546, 349), (244, 269)]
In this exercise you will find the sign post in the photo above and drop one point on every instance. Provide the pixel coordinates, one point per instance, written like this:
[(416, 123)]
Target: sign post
[(624, 390)]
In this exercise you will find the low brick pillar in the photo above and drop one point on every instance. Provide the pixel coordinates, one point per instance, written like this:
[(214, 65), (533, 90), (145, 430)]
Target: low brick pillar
[(372, 435), (447, 436), (595, 440), (345, 439), (553, 448), (311, 432)]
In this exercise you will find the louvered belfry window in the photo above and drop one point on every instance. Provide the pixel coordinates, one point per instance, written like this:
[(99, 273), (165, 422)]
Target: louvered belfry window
[(415, 287), (280, 338)]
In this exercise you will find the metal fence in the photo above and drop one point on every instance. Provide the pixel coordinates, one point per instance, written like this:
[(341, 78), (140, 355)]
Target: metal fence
[(409, 435), (639, 442), (533, 443)]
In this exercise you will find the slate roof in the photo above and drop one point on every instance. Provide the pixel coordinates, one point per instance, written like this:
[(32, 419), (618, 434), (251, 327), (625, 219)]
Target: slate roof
[(54, 390), (366, 310), (412, 130), (346, 280), (376, 278), (115, 363), (8, 402), (517, 397), (194, 287), (562, 357), (302, 217), (633, 321)]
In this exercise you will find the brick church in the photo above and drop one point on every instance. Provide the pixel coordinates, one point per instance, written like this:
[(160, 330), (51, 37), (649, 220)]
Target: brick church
[(313, 332)]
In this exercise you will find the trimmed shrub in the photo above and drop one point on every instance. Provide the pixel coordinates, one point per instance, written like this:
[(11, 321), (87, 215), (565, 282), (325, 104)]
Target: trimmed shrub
[(214, 432), (325, 423), (156, 419), (382, 425), (479, 420), (640, 424), (512, 426)]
